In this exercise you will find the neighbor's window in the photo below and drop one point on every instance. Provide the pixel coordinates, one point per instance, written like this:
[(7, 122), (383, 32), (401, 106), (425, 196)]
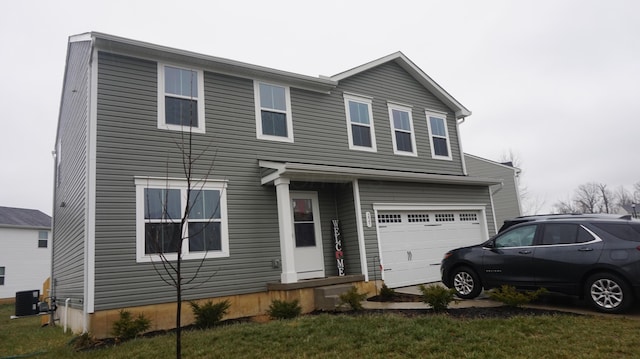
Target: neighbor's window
[(180, 99), (439, 136), (403, 136), (273, 112), (161, 204), (1, 275), (43, 239), (360, 123)]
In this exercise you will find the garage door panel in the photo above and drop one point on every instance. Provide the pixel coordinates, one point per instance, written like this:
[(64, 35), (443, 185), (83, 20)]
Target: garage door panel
[(412, 243)]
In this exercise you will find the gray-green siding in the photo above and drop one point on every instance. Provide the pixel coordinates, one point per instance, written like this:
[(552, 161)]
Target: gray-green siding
[(69, 222), (129, 144), (505, 197)]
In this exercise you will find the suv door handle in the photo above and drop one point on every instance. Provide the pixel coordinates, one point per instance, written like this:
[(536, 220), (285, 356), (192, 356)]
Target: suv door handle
[(525, 251), (585, 249)]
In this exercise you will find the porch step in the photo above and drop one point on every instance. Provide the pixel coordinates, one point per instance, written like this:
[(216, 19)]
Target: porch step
[(328, 298)]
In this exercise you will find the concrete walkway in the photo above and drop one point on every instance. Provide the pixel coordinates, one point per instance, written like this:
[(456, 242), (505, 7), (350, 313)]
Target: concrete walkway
[(549, 302)]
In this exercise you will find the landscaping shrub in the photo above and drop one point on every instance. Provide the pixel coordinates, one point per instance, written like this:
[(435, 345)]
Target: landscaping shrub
[(510, 296), (209, 314), (127, 327), (437, 296), (353, 298), (386, 293), (281, 309)]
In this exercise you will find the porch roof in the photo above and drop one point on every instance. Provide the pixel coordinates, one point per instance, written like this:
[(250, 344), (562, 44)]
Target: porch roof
[(339, 174)]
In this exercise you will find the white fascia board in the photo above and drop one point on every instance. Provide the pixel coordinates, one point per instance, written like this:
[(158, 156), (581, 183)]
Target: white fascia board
[(515, 169), (417, 73), (220, 65), (326, 173)]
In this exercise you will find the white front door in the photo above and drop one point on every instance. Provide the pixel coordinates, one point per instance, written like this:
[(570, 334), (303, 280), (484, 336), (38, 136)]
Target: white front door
[(307, 235)]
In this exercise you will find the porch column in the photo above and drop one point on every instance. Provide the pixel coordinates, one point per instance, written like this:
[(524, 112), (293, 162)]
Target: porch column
[(289, 274)]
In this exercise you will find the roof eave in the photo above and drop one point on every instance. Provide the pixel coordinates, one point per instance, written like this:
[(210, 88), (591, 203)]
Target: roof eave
[(220, 65)]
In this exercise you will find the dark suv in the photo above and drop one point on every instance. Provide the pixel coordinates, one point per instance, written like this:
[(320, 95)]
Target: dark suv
[(597, 258)]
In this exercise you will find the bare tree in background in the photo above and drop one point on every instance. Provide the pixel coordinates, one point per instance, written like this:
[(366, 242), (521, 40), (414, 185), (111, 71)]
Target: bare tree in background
[(606, 198), (636, 192), (587, 197), (530, 204), (622, 197), (565, 207)]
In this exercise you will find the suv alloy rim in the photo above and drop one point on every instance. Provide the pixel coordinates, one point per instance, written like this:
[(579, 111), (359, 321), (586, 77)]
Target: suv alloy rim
[(606, 293), (463, 283)]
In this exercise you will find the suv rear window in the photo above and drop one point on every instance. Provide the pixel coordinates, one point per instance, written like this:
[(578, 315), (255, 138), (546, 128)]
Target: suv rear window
[(626, 231)]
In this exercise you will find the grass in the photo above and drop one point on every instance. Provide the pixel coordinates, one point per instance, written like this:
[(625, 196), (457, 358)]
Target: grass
[(338, 336)]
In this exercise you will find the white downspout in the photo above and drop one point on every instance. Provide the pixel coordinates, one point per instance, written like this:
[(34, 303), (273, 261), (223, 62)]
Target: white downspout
[(66, 313), (464, 163)]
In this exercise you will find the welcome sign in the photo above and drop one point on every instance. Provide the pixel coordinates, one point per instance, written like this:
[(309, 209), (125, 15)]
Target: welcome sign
[(337, 239)]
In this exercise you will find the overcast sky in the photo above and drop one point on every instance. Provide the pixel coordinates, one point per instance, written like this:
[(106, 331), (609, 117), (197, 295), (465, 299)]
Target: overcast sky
[(555, 82)]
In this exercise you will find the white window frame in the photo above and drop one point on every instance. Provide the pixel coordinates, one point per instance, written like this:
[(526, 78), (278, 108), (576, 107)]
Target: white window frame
[(161, 100), (258, 107), (443, 117), (171, 183), (414, 146), (363, 100)]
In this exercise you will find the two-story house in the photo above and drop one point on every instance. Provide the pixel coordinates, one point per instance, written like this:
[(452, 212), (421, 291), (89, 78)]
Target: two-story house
[(278, 158), (25, 258)]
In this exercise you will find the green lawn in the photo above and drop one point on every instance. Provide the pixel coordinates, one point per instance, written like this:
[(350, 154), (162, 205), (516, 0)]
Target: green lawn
[(344, 336)]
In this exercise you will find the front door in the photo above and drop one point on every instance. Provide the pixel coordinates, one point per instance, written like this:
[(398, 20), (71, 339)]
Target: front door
[(307, 235)]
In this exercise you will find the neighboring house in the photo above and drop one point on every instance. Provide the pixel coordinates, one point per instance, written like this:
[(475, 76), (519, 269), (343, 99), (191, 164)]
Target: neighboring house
[(280, 156), (25, 258), (631, 209), (506, 195)]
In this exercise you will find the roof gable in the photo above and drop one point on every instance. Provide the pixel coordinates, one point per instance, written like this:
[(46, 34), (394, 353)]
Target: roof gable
[(420, 76), (21, 217)]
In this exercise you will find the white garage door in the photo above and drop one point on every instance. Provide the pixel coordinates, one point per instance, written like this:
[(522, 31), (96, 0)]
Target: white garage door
[(413, 242)]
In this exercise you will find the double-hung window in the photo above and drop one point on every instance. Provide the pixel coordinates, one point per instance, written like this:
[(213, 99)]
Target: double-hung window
[(43, 239), (1, 275), (161, 204), (439, 136), (273, 112), (360, 123), (402, 133), (180, 99)]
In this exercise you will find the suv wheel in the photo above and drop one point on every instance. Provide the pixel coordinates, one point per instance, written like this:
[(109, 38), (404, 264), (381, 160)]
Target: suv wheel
[(466, 283), (608, 293)]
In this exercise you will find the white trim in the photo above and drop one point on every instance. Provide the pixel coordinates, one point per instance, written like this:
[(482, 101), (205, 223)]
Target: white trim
[(462, 159), (258, 108), (317, 227), (142, 183), (90, 211), (363, 100), (360, 230), (285, 226), (415, 72), (493, 212), (161, 100), (414, 148), (430, 114)]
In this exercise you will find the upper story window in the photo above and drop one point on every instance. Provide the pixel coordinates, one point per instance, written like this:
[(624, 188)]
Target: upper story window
[(273, 112), (160, 206), (403, 136), (43, 239), (439, 136), (180, 99), (360, 123)]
